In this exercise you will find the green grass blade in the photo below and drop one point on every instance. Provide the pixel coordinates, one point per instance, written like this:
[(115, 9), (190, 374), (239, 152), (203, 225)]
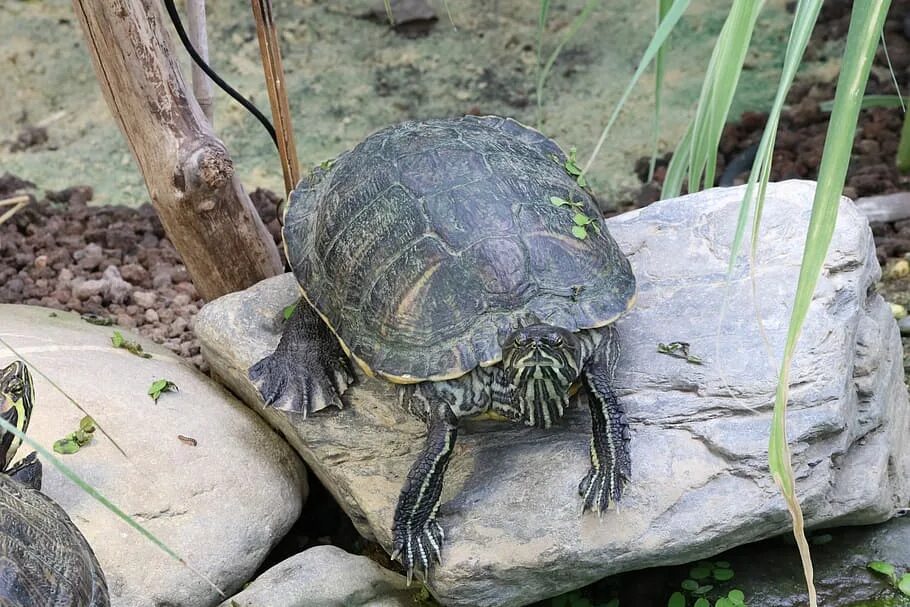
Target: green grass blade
[(903, 147), (869, 101), (865, 26), (570, 33), (660, 36), (803, 23), (718, 89), (77, 480), (663, 7)]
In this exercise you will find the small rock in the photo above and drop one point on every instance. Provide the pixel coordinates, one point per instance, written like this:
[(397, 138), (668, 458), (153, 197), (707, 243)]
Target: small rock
[(900, 269), (134, 273), (90, 257), (177, 327), (162, 278), (41, 262), (898, 311), (118, 290), (65, 275), (87, 288), (151, 316), (904, 325), (181, 299), (146, 299), (330, 576)]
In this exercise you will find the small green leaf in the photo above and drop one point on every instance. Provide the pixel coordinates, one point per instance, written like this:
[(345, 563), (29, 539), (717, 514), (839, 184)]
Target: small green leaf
[(703, 589), (130, 346), (87, 424), (883, 568), (579, 232), (582, 181), (737, 597), (723, 602), (904, 584), (722, 564), (701, 572), (677, 600), (722, 575), (159, 386), (557, 201), (66, 446), (702, 602), (581, 219), (288, 310), (689, 585)]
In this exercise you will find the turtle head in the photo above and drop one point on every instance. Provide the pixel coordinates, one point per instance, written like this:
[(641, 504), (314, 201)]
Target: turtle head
[(16, 397), (541, 363)]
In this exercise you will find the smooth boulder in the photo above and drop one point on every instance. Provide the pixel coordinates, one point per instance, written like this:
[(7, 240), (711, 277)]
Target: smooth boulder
[(221, 503), (700, 480), (325, 576)]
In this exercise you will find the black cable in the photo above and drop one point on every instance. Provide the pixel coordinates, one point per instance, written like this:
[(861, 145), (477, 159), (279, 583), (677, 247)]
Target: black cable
[(178, 25)]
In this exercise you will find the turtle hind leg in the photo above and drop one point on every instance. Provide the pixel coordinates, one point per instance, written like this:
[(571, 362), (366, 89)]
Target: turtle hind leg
[(611, 461), (308, 370), (417, 537), (27, 471)]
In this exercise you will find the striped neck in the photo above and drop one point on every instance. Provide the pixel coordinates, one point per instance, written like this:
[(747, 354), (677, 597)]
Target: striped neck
[(16, 398), (541, 363)]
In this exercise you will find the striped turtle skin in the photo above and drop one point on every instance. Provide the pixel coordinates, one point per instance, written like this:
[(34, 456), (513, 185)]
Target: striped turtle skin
[(44, 559)]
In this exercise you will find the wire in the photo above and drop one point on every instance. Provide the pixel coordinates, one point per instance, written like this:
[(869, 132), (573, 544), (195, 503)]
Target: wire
[(178, 25)]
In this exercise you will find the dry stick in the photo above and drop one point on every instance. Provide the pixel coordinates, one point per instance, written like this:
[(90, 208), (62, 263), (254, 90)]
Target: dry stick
[(278, 97), (202, 86), (16, 202), (188, 171)]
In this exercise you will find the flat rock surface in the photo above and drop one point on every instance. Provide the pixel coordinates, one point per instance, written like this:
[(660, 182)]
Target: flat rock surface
[(221, 504), (700, 481), (326, 576)]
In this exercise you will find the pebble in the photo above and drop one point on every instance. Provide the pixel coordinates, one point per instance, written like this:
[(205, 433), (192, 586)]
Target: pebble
[(151, 316), (904, 325), (900, 269), (146, 299), (898, 311)]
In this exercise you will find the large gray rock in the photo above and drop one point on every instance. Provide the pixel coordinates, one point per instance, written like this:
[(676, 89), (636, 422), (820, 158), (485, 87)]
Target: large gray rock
[(221, 504), (325, 576), (700, 483)]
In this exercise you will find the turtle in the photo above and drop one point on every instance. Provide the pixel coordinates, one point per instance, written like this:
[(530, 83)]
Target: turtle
[(461, 259), (44, 558)]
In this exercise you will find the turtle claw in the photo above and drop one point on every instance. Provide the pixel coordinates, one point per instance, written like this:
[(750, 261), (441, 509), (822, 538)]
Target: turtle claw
[(292, 385), (600, 487), (417, 550)]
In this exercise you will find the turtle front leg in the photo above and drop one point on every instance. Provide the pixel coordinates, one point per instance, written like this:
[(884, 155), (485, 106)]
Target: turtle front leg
[(308, 370), (416, 535), (611, 458)]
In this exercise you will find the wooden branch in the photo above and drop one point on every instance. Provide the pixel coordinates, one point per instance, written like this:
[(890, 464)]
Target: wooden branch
[(278, 96), (202, 86), (188, 171)]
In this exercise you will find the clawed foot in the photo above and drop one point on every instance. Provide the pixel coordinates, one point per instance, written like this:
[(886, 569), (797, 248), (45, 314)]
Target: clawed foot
[(418, 549), (600, 487), (301, 384)]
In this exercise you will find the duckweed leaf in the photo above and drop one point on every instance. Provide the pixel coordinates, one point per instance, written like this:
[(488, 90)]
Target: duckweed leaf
[(581, 219), (72, 442), (883, 568), (677, 599), (97, 319), (579, 232), (160, 386), (701, 572), (703, 589), (737, 597), (130, 346), (722, 564), (723, 602), (702, 602), (722, 575), (689, 585), (288, 310), (557, 201), (904, 584)]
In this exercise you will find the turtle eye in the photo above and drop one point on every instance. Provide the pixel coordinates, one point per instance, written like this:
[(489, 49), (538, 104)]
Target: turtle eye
[(556, 340), (15, 388), (521, 340)]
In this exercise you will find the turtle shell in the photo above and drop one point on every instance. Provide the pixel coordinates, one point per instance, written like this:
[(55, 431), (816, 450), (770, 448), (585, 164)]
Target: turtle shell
[(44, 559), (429, 242)]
